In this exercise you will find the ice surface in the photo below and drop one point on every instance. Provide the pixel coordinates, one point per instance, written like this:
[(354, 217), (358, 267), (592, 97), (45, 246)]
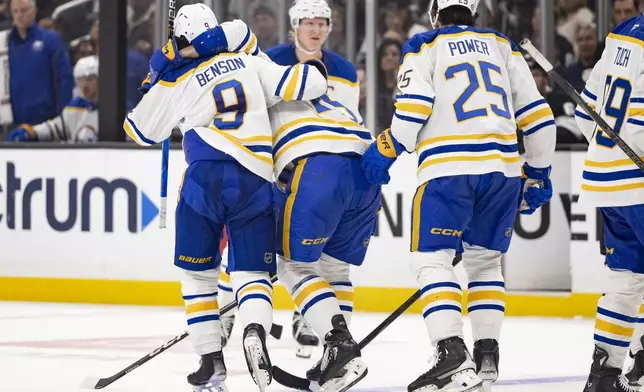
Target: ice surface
[(53, 347)]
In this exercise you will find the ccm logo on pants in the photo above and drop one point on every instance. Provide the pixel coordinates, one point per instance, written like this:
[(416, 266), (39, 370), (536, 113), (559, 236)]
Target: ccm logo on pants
[(448, 232)]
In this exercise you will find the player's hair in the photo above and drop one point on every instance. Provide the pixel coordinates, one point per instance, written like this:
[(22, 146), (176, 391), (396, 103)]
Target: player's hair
[(457, 15), (636, 4)]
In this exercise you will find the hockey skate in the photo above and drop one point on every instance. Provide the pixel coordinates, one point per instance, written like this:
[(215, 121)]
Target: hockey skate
[(304, 336), (486, 358), (341, 365), (606, 379), (257, 359), (452, 370), (227, 324), (313, 374), (211, 374)]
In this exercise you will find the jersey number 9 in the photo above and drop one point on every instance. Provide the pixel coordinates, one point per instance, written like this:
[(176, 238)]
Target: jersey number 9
[(226, 104), (474, 85), (618, 112)]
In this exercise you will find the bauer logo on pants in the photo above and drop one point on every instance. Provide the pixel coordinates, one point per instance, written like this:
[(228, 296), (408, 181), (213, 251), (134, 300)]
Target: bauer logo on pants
[(99, 204)]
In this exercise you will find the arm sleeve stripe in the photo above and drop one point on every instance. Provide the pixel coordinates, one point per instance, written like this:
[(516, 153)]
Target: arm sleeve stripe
[(281, 83), (538, 127), (531, 106), (589, 95), (415, 96), (637, 100), (138, 133), (245, 40), (410, 119), (583, 115), (303, 84), (635, 122)]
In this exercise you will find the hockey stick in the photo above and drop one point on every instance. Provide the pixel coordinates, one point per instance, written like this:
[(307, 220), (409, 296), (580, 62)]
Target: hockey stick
[(291, 381), (100, 383), (165, 155), (572, 93)]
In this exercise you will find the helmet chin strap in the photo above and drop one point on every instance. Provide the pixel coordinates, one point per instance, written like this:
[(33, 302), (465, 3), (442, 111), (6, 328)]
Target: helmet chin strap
[(299, 46)]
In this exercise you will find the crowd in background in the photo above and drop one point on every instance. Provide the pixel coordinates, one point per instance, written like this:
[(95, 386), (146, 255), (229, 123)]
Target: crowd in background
[(73, 26)]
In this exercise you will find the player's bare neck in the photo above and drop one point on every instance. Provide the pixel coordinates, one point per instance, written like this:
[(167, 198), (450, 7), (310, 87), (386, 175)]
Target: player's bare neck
[(303, 56)]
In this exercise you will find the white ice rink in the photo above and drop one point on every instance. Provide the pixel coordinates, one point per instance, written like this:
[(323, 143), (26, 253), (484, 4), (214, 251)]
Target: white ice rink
[(53, 347)]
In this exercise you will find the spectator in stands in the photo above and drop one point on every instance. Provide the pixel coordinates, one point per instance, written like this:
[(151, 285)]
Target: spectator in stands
[(573, 13), (624, 10), (137, 69), (577, 74), (564, 52), (362, 82), (79, 120), (337, 37), (139, 21), (40, 72), (265, 27), (389, 54), (563, 108)]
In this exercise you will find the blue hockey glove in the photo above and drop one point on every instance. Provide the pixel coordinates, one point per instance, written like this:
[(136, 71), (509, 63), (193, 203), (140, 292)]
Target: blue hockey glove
[(164, 60), (23, 133), (145, 85), (211, 42), (536, 188), (379, 157)]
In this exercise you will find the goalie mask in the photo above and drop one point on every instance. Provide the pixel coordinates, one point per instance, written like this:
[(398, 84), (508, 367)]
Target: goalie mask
[(435, 6), (309, 9)]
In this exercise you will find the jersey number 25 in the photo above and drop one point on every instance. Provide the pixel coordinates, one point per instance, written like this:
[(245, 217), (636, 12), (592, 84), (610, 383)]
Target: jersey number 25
[(472, 71)]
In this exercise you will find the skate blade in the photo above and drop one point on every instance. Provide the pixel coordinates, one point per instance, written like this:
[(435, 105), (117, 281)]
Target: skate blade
[(218, 387), (304, 352), (253, 347), (464, 381), (487, 386), (355, 370)]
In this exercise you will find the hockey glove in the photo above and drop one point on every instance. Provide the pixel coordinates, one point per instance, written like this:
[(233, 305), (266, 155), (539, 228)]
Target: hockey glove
[(536, 188), (23, 133), (164, 60), (379, 157)]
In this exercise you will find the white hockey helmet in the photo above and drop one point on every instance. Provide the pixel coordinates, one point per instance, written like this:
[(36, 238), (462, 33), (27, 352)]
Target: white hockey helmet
[(309, 9), (435, 6), (86, 66), (192, 20)]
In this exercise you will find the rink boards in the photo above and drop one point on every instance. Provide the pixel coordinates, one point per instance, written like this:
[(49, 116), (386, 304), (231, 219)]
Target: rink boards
[(81, 225)]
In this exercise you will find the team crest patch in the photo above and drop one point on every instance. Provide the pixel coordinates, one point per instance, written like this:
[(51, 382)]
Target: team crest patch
[(268, 257)]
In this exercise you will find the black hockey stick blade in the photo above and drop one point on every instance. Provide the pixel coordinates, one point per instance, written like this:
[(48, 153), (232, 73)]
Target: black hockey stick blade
[(572, 93), (100, 383), (302, 384)]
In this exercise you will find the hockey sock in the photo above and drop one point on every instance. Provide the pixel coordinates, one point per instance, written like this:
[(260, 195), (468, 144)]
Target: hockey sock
[(441, 294), (485, 291), (254, 294), (312, 294), (202, 310), (617, 312), (225, 287), (337, 273)]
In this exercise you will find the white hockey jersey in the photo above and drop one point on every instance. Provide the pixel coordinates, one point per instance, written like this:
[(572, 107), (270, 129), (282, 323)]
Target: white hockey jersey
[(462, 93), (616, 87), (77, 123), (220, 105)]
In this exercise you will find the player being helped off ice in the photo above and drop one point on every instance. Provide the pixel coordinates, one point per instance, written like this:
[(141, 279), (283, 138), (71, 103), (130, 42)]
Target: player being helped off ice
[(612, 182), (462, 92), (220, 104), (311, 24)]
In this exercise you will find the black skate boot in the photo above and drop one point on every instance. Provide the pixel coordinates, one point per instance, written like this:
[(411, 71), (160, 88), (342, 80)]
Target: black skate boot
[(313, 374), (606, 379), (486, 359), (341, 365), (304, 336), (452, 370), (635, 375), (211, 374), (257, 359), (227, 324)]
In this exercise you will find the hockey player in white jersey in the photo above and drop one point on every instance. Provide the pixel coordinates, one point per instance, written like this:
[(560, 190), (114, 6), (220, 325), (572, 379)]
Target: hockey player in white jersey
[(311, 25), (462, 93), (79, 120), (612, 182), (220, 104)]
